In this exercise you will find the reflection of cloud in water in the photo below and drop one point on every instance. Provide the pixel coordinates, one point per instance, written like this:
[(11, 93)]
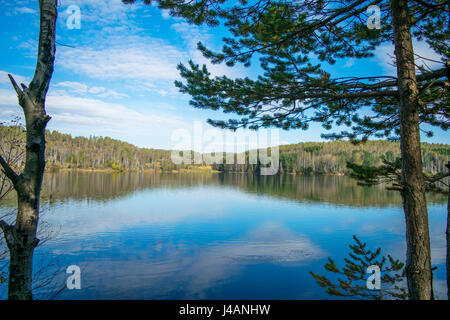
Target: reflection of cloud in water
[(270, 252), (144, 208), (272, 243), (440, 289), (187, 271), (397, 249), (438, 245)]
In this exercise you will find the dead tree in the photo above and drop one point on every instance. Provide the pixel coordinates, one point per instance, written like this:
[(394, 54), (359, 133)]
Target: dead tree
[(21, 236)]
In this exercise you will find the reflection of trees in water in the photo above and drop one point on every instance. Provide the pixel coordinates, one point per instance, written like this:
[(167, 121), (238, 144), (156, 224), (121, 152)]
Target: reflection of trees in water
[(12, 148), (45, 268), (330, 189), (101, 186)]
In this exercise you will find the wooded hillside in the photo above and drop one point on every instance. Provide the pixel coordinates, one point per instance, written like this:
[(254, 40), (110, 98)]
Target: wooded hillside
[(67, 152)]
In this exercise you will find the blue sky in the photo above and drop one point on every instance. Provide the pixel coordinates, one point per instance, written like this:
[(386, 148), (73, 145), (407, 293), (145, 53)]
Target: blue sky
[(117, 80)]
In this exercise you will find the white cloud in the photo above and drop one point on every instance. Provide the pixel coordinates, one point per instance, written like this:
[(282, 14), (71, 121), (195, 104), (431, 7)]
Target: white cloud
[(100, 12), (192, 35), (88, 112), (25, 10), (132, 57), (165, 14), (162, 92), (81, 88), (69, 111), (349, 63), (29, 48), (146, 63), (74, 86), (424, 52), (385, 57), (4, 79), (9, 105)]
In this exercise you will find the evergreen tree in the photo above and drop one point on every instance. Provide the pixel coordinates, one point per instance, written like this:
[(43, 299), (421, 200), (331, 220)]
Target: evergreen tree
[(354, 284), (292, 91), (390, 172)]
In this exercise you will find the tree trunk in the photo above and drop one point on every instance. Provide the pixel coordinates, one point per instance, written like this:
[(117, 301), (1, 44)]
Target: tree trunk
[(21, 247), (418, 253), (447, 233), (21, 237)]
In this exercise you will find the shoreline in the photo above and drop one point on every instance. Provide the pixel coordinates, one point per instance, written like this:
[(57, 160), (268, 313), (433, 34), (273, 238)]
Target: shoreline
[(199, 170)]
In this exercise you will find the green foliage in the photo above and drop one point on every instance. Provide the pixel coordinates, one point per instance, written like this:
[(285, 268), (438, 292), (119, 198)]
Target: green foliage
[(442, 151), (368, 175), (65, 151), (116, 167), (354, 276), (390, 172), (332, 157), (311, 149), (197, 12), (292, 90), (12, 148)]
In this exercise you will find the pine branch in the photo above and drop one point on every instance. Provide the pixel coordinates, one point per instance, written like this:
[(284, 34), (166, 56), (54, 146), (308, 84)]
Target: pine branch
[(355, 274)]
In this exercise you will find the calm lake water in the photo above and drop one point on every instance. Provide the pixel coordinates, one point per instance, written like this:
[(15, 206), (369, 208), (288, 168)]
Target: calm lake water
[(213, 236)]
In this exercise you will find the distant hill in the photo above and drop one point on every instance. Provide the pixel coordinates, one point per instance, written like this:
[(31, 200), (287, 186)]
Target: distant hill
[(67, 152)]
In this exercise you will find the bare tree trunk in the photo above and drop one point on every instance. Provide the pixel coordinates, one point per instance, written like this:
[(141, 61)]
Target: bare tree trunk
[(418, 253), (21, 237)]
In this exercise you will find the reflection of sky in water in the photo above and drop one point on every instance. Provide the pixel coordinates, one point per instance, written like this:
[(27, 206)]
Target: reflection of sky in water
[(217, 242)]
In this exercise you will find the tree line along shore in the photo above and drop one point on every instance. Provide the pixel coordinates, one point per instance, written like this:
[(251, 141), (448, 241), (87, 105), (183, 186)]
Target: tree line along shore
[(64, 152)]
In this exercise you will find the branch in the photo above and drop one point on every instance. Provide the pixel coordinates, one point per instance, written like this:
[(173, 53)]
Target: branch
[(370, 94), (4, 226), (435, 74), (432, 6), (9, 172), (350, 95), (395, 187), (14, 84), (317, 24), (8, 232), (437, 177)]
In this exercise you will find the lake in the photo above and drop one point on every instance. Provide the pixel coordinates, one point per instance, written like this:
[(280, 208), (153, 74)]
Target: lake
[(212, 236)]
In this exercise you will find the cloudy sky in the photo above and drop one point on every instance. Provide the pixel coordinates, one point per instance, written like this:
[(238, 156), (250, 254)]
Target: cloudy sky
[(116, 78)]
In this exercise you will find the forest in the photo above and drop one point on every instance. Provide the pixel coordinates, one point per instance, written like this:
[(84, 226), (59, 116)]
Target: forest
[(254, 64), (103, 153)]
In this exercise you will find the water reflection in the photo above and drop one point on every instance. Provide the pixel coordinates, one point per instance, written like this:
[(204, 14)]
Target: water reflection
[(188, 236), (102, 186), (167, 269)]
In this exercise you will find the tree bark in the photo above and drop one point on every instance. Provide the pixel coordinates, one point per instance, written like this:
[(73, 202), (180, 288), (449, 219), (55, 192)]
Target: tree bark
[(21, 237), (447, 233), (418, 253)]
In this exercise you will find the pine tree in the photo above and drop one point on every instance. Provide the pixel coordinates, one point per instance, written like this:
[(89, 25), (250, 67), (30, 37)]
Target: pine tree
[(354, 283), (293, 92)]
